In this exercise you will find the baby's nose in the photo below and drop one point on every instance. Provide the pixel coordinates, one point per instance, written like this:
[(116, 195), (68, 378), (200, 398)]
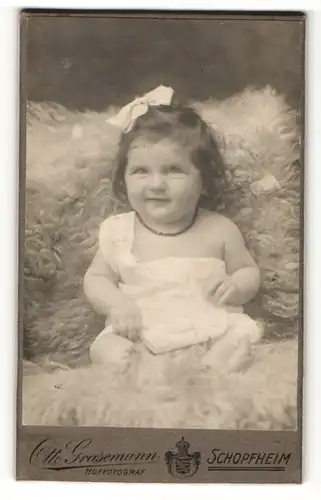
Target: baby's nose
[(157, 181)]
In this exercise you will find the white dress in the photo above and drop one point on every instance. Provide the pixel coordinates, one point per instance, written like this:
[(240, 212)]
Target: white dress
[(170, 292)]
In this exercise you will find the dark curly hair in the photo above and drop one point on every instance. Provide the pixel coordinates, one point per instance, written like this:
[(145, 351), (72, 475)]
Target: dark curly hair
[(184, 126)]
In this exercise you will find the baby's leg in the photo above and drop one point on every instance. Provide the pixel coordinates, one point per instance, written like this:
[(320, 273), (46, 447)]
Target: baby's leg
[(111, 349), (233, 351)]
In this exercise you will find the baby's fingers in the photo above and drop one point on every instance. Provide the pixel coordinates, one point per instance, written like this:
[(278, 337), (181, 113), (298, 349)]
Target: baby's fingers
[(213, 289), (129, 327), (224, 298), (135, 327), (227, 296), (120, 327), (220, 291)]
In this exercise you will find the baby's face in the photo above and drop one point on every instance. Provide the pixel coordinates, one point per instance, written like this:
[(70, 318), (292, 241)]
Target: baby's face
[(162, 183)]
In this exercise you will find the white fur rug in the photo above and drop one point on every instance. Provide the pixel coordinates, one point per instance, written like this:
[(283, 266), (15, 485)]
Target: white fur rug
[(169, 391)]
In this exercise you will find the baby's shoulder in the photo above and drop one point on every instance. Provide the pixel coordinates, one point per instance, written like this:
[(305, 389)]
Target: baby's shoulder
[(218, 224), (218, 220)]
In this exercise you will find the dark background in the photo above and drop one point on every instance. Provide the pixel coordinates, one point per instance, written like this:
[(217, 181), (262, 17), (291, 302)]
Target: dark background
[(91, 63)]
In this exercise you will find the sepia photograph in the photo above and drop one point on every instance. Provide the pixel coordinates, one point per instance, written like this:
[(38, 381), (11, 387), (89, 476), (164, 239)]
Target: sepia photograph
[(161, 222)]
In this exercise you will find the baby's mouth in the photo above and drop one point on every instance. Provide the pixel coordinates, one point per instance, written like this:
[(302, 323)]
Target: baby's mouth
[(158, 200)]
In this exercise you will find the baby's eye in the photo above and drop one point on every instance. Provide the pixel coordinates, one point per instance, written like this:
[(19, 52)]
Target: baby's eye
[(139, 171), (174, 169)]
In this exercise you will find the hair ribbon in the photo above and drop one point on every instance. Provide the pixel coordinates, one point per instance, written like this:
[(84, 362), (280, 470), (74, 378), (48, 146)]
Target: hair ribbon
[(127, 116)]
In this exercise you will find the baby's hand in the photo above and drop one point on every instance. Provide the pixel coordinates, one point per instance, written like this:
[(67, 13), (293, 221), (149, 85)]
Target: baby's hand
[(125, 318), (226, 293)]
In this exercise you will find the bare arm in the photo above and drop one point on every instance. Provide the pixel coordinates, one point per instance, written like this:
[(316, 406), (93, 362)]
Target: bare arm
[(240, 264), (101, 286)]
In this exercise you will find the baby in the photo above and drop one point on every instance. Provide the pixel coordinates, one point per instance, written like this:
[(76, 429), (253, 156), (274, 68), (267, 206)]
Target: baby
[(172, 272)]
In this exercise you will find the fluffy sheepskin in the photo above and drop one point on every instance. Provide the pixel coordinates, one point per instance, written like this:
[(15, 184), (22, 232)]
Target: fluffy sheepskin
[(69, 163), (168, 391)]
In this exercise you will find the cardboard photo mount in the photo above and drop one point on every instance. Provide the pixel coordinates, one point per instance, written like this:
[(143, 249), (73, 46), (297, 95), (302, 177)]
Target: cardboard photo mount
[(144, 454)]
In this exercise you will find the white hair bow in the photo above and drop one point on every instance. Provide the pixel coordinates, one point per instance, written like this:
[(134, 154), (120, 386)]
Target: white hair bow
[(127, 116)]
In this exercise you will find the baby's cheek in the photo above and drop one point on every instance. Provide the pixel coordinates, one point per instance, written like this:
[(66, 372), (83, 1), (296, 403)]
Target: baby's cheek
[(187, 195), (135, 194)]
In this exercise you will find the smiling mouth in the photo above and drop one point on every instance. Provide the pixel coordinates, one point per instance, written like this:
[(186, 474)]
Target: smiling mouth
[(161, 200)]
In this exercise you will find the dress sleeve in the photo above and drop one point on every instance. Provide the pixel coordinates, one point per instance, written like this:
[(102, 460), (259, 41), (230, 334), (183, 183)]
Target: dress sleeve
[(114, 238)]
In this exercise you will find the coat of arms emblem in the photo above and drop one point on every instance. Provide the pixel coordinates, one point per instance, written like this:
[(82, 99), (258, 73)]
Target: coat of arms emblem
[(182, 464)]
